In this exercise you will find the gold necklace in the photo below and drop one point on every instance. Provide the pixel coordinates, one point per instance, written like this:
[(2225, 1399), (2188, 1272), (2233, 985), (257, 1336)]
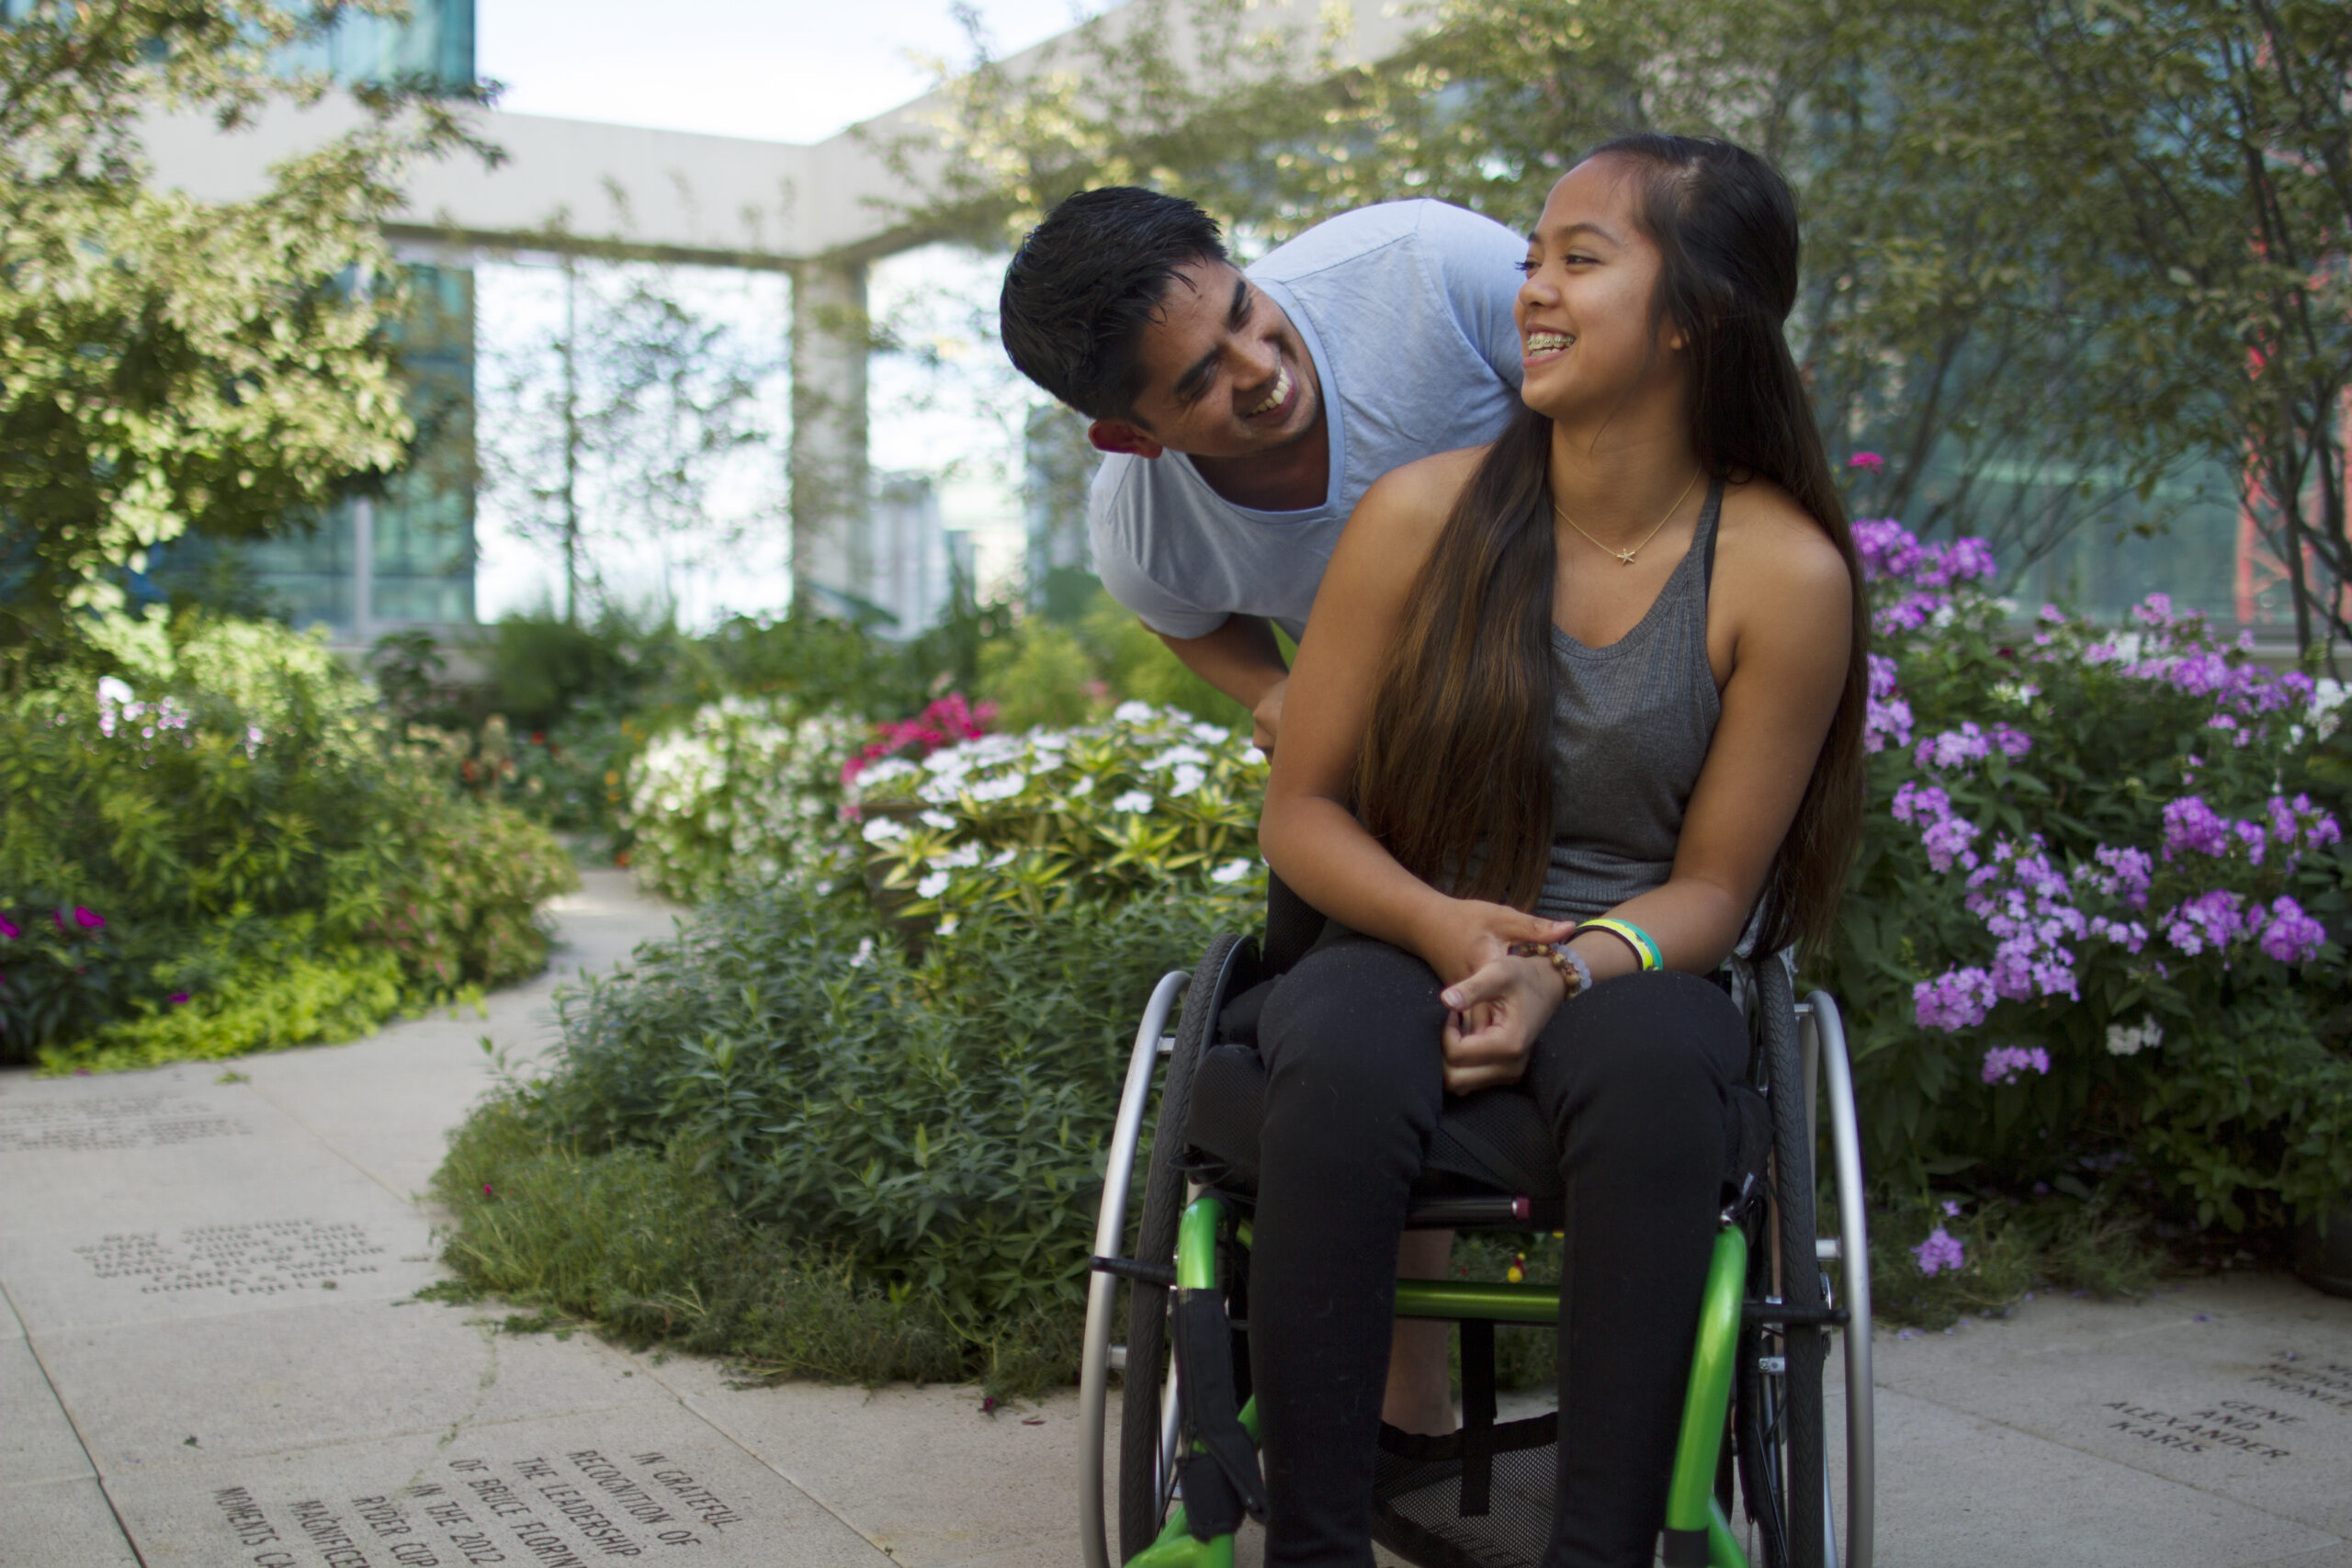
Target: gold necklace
[(1626, 558)]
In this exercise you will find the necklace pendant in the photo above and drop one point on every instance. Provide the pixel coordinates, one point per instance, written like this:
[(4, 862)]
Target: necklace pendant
[(1624, 558)]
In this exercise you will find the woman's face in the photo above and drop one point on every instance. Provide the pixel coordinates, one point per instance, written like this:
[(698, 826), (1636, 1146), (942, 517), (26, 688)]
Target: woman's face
[(1584, 312)]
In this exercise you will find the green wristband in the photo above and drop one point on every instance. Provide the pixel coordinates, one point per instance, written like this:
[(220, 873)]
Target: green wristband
[(1632, 936)]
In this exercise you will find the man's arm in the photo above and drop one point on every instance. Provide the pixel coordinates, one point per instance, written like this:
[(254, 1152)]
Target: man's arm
[(1242, 659)]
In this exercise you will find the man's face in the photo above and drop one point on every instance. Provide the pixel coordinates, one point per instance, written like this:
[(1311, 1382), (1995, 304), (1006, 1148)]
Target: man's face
[(1225, 374)]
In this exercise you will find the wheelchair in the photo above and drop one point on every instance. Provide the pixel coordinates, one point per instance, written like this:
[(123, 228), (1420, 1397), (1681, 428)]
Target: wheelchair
[(1752, 1442)]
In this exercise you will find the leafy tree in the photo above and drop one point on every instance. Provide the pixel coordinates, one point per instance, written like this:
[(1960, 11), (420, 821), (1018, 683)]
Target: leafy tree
[(169, 365), (1998, 197), (618, 427)]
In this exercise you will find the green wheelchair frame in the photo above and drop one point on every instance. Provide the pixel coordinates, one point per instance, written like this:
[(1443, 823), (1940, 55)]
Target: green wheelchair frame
[(1733, 1319)]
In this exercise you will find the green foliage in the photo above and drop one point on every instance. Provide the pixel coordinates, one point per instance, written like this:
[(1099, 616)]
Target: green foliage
[(168, 364), (2028, 279), (2082, 1242), (2218, 1062), (934, 1127), (270, 865), (641, 1242)]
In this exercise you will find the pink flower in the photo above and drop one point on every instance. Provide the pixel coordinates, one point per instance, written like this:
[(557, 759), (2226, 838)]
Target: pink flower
[(9, 931), (88, 918), (178, 997), (1869, 462)]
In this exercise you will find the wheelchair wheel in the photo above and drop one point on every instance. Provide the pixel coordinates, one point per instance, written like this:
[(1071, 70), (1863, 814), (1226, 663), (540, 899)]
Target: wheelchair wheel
[(1109, 1236), (1145, 1411), (1822, 1041), (1803, 1465)]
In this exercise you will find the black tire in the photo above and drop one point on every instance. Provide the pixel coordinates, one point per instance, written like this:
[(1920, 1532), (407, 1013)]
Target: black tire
[(1802, 1512), (1163, 1205)]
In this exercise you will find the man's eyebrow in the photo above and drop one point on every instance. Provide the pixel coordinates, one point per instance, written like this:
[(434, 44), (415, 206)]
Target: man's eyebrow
[(1198, 371)]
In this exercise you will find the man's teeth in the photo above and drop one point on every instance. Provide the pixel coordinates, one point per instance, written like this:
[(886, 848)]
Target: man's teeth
[(1274, 398), (1548, 343)]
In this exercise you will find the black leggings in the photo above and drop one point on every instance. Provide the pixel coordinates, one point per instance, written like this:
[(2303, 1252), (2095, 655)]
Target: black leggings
[(1634, 1080)]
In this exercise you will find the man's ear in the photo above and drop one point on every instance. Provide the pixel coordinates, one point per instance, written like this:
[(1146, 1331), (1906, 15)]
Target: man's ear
[(1118, 436)]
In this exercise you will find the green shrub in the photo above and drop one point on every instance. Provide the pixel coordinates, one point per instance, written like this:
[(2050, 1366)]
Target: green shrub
[(270, 867), (932, 1127), (2098, 911)]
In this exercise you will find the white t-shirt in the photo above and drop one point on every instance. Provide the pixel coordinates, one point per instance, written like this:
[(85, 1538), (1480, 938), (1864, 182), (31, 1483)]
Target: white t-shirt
[(1406, 310)]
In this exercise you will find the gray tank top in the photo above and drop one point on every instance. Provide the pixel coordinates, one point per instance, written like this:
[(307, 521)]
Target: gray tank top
[(1630, 725)]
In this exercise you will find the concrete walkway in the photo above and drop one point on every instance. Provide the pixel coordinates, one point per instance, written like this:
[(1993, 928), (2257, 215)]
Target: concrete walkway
[(209, 1356)]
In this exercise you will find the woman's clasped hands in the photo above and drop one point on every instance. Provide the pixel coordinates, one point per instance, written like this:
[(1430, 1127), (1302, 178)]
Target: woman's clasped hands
[(1496, 1003)]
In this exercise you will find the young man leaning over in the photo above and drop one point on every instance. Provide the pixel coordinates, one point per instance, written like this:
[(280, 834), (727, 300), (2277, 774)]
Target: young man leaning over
[(1244, 411)]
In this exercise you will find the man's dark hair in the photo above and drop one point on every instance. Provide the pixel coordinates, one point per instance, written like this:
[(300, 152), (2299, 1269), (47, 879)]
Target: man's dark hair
[(1084, 283)]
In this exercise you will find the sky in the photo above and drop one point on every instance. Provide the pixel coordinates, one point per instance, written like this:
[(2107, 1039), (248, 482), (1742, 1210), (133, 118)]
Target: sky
[(796, 71), (787, 70)]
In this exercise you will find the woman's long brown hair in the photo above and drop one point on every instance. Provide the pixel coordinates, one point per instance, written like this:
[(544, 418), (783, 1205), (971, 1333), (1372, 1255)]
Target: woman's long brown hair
[(1455, 774)]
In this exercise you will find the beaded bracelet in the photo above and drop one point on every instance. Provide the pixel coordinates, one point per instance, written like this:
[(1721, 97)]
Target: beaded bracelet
[(1576, 974), (1633, 936)]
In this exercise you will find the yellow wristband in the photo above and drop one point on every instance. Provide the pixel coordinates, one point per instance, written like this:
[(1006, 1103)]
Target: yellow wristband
[(1633, 936)]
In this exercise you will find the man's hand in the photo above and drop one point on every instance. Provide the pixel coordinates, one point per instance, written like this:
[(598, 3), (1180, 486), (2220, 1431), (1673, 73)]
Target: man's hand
[(1492, 1021), (1266, 718)]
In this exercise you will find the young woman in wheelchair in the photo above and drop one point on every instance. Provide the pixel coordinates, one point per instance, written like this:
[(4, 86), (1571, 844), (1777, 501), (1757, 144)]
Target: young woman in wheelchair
[(1574, 712)]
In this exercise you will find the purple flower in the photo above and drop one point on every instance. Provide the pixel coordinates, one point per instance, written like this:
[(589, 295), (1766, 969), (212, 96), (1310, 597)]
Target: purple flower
[(1947, 840), (2012, 742), (1951, 1209), (1883, 675), (2209, 920), (1885, 723), (2291, 936), (1952, 748), (1940, 1250), (178, 998), (1921, 805), (9, 931), (2190, 824), (88, 918), (2004, 1063), (1956, 999), (1886, 546), (2155, 610)]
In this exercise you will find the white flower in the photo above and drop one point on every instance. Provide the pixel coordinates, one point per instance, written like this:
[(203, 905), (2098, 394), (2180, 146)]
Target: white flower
[(1188, 779), (1134, 800), (939, 819), (1232, 870), (947, 924), (2125, 1041), (961, 858), (864, 954), (1133, 712), (888, 768), (1215, 734), (111, 690), (2328, 696), (1176, 756), (931, 887), (950, 762), (1084, 786), (940, 792), (1003, 858), (881, 830), (1253, 756), (1004, 788)]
